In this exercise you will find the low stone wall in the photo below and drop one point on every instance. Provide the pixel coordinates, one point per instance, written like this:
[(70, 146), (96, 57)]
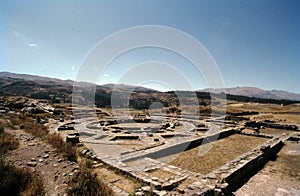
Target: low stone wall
[(260, 124), (225, 179), (240, 170), (234, 174), (182, 146), (256, 134), (125, 137)]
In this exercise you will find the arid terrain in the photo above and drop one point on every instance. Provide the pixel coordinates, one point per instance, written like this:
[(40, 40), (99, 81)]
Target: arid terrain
[(54, 147)]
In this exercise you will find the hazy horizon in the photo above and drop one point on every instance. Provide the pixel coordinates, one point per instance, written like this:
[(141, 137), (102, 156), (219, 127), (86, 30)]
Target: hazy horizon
[(254, 43), (153, 88)]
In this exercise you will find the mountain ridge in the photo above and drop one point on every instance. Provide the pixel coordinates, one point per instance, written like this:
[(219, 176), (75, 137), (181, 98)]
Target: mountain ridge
[(242, 91), (256, 92)]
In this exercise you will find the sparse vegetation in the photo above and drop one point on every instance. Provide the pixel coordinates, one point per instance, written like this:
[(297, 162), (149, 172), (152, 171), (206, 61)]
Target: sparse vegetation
[(67, 149), (29, 115), (173, 110), (85, 182), (162, 174), (7, 142), (28, 123), (17, 181), (222, 151)]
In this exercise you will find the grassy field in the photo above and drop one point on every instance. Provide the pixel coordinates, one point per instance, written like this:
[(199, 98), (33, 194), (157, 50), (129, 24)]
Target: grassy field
[(223, 151), (289, 114), (263, 108)]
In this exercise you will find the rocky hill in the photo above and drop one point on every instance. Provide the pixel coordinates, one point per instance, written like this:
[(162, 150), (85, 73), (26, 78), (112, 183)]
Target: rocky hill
[(83, 93), (257, 92), (57, 90)]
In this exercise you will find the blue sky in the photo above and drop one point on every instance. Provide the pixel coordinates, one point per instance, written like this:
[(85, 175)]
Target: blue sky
[(254, 43)]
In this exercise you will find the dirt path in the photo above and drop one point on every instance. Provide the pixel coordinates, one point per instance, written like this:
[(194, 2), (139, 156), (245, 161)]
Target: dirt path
[(40, 157), (280, 177)]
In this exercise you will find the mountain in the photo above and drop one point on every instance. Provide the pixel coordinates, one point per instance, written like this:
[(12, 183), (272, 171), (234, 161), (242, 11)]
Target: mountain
[(68, 91), (47, 80), (285, 95), (256, 92), (124, 87), (83, 93), (28, 77)]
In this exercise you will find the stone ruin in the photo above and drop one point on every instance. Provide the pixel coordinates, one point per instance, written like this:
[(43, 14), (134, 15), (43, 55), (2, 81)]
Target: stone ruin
[(152, 142)]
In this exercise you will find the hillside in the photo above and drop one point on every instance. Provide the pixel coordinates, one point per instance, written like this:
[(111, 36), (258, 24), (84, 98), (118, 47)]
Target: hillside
[(257, 92), (67, 91)]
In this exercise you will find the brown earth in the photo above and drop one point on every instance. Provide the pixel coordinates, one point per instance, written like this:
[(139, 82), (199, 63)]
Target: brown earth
[(280, 177), (41, 158)]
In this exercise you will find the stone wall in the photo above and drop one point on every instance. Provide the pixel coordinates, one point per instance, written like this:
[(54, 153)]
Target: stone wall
[(259, 124), (240, 170), (186, 145)]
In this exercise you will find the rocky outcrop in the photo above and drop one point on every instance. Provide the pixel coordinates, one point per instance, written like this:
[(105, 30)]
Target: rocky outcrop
[(26, 105)]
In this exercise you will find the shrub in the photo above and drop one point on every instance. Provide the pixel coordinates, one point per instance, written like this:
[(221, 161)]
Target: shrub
[(56, 141), (35, 129), (16, 181), (86, 183), (7, 142)]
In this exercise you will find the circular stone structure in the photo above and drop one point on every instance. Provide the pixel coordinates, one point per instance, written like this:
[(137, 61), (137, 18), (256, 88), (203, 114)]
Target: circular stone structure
[(136, 125)]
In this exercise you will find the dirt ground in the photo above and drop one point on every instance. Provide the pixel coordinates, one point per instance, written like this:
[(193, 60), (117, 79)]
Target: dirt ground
[(41, 158), (273, 132), (279, 177)]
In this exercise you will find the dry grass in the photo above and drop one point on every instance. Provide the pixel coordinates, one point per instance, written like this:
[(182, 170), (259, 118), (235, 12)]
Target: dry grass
[(271, 131), (263, 108), (223, 151), (86, 162), (10, 121), (16, 181), (159, 173), (280, 118), (67, 149), (106, 174), (7, 142), (86, 182), (119, 180), (29, 124), (35, 129), (185, 183)]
